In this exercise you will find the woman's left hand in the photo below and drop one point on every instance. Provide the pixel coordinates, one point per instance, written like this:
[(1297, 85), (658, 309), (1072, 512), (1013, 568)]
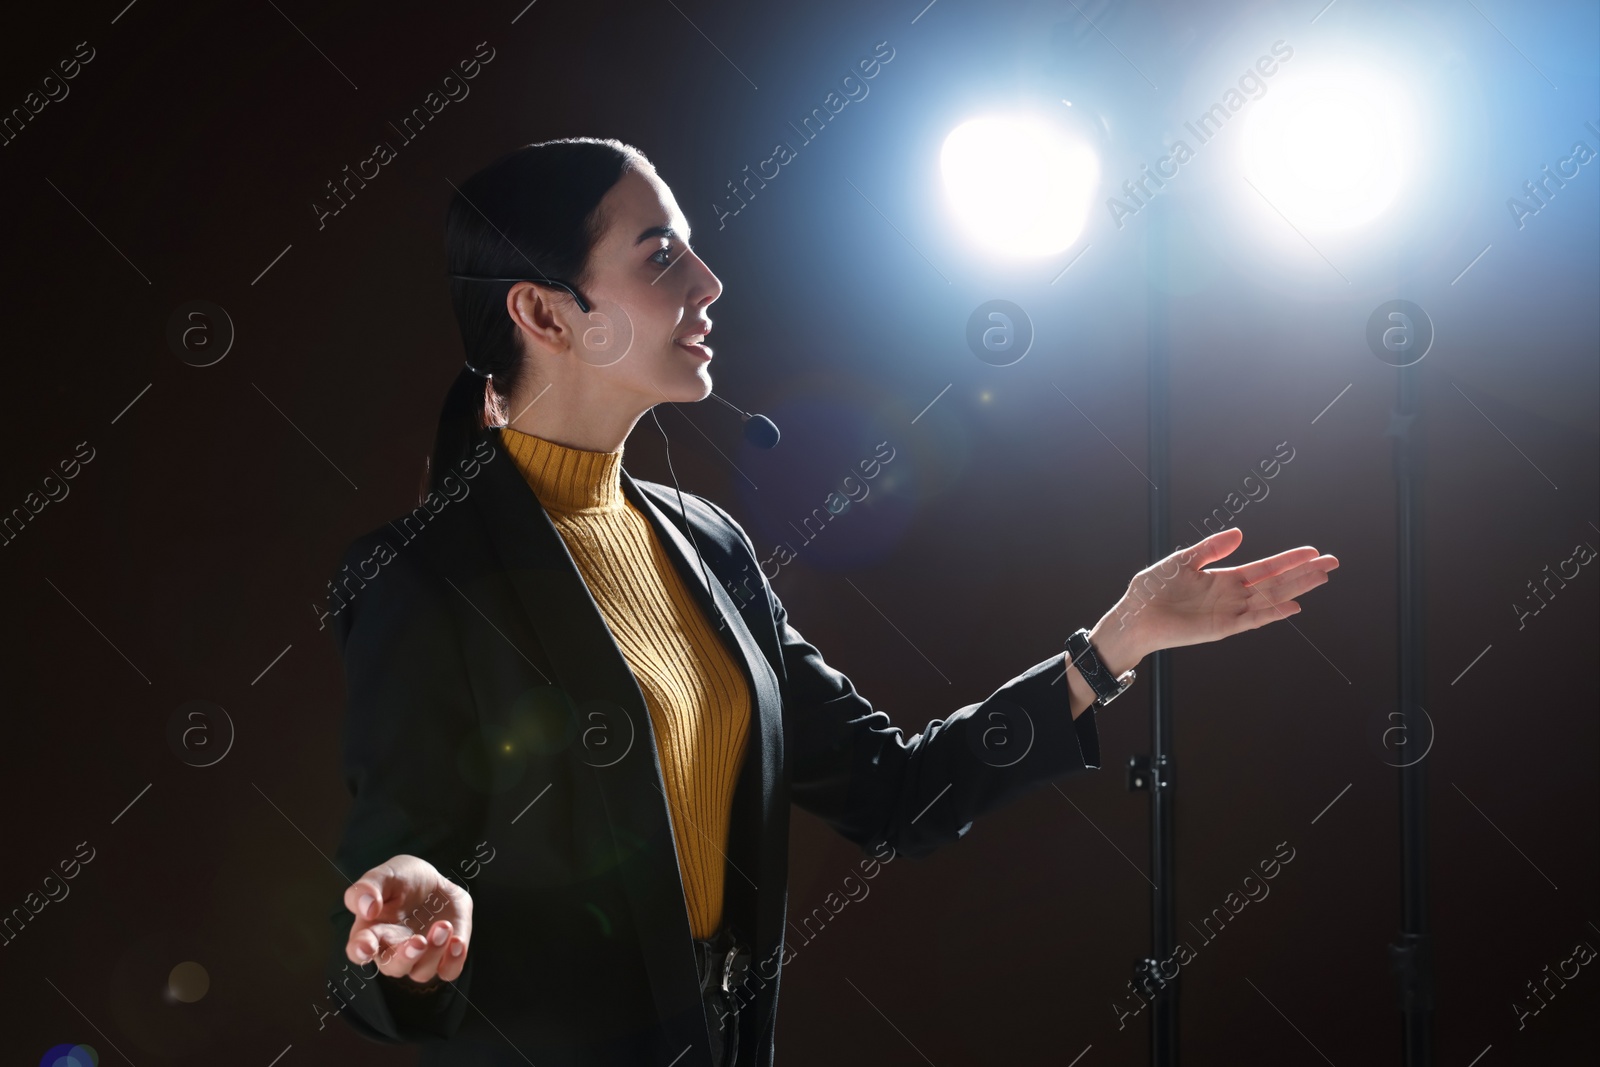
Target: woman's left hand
[(1175, 602)]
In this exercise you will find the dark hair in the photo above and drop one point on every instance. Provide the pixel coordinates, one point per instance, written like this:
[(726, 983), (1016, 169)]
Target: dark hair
[(531, 213)]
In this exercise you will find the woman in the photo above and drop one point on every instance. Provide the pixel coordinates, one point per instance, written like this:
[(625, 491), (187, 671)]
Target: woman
[(571, 753)]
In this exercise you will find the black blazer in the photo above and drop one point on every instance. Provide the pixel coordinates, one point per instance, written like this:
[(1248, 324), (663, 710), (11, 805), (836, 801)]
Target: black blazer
[(494, 728)]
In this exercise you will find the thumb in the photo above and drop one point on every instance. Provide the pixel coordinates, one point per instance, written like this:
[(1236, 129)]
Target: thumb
[(1215, 547)]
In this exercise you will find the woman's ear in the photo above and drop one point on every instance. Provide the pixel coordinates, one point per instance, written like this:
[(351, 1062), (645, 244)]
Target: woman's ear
[(537, 322)]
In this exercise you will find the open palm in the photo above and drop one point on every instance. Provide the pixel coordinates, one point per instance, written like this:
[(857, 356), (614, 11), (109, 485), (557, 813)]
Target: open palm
[(412, 920), (1177, 602)]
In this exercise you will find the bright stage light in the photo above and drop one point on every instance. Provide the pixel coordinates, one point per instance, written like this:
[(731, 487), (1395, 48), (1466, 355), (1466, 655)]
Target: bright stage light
[(1018, 185), (1329, 150)]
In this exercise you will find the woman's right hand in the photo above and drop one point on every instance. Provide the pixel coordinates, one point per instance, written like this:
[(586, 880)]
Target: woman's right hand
[(1177, 602), (412, 920)]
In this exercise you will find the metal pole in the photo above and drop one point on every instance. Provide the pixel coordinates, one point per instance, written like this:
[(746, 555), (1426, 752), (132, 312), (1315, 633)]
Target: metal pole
[(1412, 954), (1157, 974)]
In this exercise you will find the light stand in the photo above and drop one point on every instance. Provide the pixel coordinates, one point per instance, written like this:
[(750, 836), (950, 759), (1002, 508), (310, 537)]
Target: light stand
[(1412, 954), (1154, 773)]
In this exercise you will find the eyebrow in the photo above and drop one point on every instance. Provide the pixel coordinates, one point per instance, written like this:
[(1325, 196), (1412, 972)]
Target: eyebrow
[(659, 231)]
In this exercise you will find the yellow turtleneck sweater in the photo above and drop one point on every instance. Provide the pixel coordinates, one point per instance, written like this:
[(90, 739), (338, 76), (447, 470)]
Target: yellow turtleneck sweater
[(698, 699)]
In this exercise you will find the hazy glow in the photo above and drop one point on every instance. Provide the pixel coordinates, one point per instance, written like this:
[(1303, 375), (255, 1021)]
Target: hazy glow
[(1329, 149), (1018, 185)]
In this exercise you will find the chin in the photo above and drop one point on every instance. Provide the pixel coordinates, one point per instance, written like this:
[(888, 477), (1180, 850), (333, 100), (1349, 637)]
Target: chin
[(686, 390), (700, 387)]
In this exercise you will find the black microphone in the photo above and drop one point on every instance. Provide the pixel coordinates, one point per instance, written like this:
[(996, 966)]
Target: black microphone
[(758, 429)]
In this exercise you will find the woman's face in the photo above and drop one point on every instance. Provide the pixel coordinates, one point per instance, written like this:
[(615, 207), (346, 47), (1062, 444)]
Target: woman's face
[(647, 291)]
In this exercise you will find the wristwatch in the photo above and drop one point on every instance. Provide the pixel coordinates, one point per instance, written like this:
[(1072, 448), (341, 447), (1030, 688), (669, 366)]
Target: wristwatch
[(1107, 687)]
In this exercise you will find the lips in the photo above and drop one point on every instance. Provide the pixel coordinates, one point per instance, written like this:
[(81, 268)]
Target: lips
[(693, 341)]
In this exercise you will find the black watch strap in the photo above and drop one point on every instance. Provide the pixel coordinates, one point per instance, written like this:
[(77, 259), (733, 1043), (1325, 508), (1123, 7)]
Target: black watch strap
[(1107, 686)]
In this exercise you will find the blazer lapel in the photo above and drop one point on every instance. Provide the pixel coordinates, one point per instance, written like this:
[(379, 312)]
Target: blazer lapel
[(758, 834), (596, 677), (766, 735)]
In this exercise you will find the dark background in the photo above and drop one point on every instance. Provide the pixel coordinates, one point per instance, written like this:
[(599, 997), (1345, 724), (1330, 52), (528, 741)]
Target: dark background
[(189, 553)]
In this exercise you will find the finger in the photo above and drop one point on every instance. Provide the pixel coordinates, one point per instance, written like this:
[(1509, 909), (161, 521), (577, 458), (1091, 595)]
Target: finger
[(1320, 564), (399, 954), (364, 898), (427, 964), (378, 942), (440, 932), (1259, 617), (450, 958), (461, 902), (380, 888), (1272, 566), (389, 946), (1287, 587), (453, 960), (382, 941), (362, 946), (1213, 548)]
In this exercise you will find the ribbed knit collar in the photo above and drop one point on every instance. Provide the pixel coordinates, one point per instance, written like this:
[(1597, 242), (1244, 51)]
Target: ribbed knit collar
[(566, 479)]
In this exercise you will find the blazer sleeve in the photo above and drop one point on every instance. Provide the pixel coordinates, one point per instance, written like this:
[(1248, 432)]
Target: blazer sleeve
[(853, 768), (409, 721)]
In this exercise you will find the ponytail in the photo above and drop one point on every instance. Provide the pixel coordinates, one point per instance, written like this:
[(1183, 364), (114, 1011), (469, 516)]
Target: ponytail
[(461, 427)]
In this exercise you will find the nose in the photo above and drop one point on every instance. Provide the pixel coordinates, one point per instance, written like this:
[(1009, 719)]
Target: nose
[(707, 287)]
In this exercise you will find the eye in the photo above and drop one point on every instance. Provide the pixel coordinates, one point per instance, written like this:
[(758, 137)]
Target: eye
[(665, 250)]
